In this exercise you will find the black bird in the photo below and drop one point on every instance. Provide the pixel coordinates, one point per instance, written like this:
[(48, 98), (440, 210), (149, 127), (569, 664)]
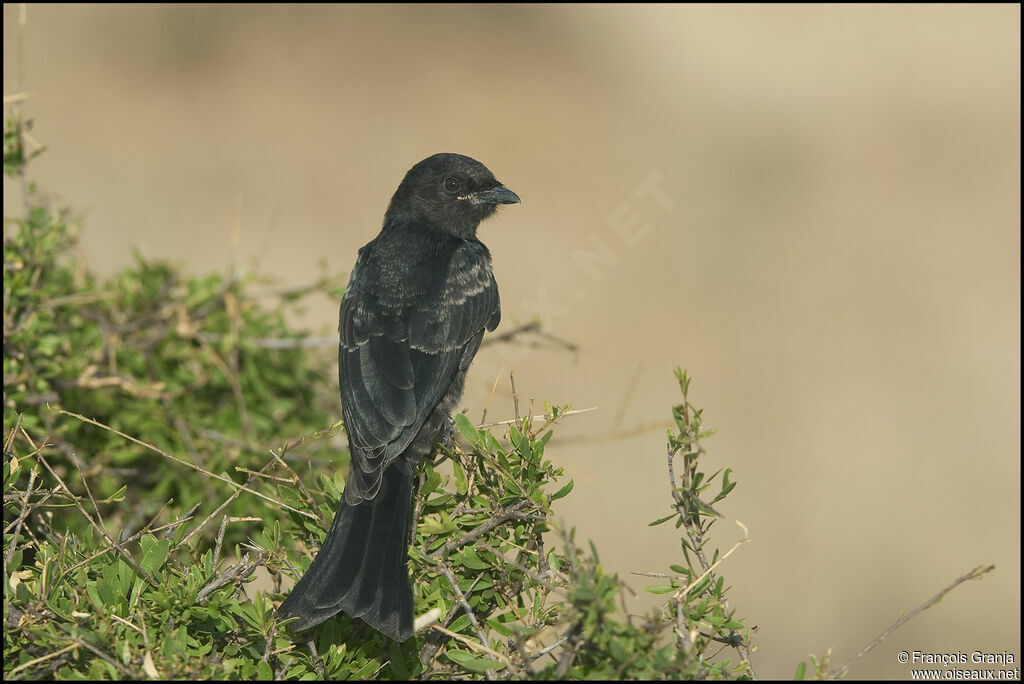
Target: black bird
[(418, 301)]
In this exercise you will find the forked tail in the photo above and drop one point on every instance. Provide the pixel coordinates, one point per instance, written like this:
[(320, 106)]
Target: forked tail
[(362, 566)]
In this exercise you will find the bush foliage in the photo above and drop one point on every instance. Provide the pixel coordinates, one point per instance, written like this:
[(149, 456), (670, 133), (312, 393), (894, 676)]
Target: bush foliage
[(169, 438)]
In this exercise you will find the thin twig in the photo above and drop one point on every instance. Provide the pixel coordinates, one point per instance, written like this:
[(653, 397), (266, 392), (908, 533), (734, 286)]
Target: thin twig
[(265, 476), (120, 619), (536, 577), (21, 516), (182, 461), (682, 630), (569, 654), (296, 480), (490, 398), (220, 534), (515, 395), (104, 656), (85, 483), (619, 435), (627, 396), (477, 647), (16, 98), (216, 512), (115, 545), (537, 418), (976, 573), (683, 592), (9, 441), (530, 328), (434, 640), (184, 430), (239, 569), (547, 649), (318, 663), (146, 529), (13, 673), (510, 513), (469, 612), (234, 322), (273, 342)]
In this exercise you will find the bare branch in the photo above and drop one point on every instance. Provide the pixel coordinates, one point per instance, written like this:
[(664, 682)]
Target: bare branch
[(182, 461), (976, 573)]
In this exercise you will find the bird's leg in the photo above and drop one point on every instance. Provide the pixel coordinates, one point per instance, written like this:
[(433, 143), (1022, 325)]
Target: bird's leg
[(420, 501), (444, 435)]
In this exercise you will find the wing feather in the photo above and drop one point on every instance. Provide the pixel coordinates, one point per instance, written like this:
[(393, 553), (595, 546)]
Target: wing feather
[(402, 344)]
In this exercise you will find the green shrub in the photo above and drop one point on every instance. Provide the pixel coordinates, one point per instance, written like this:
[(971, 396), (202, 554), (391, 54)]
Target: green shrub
[(167, 437)]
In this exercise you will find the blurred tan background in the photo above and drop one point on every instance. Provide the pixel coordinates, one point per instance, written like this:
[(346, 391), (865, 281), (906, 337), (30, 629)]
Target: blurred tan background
[(816, 210)]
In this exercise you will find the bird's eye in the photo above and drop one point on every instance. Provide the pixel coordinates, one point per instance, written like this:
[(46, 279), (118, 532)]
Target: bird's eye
[(452, 184)]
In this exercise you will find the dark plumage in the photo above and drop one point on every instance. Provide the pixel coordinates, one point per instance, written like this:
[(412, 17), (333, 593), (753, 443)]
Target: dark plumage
[(419, 299)]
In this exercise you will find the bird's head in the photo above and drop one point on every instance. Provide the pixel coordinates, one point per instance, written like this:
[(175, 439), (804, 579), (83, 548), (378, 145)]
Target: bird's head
[(447, 192)]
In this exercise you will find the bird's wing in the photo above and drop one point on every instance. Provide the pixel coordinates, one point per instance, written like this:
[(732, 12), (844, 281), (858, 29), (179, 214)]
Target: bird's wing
[(398, 356)]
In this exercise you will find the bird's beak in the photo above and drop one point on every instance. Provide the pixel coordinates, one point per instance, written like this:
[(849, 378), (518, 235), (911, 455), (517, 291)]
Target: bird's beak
[(496, 195)]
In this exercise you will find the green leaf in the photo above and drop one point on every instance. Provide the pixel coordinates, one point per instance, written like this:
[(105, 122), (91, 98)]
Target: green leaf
[(498, 626), (727, 486), (466, 428), (118, 496), (473, 663), (459, 624), (431, 482), (523, 447), (460, 478), (154, 553), (291, 497), (398, 665), (538, 446), (440, 524), (515, 436), (329, 487), (677, 415), (563, 491), (661, 520), (471, 559), (660, 589), (490, 443), (801, 671)]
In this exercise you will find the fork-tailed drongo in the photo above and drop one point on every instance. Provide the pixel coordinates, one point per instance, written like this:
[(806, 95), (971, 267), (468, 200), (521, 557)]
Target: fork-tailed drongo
[(419, 299)]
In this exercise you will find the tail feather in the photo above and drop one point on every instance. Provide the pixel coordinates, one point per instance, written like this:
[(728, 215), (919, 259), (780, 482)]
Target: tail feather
[(361, 568)]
